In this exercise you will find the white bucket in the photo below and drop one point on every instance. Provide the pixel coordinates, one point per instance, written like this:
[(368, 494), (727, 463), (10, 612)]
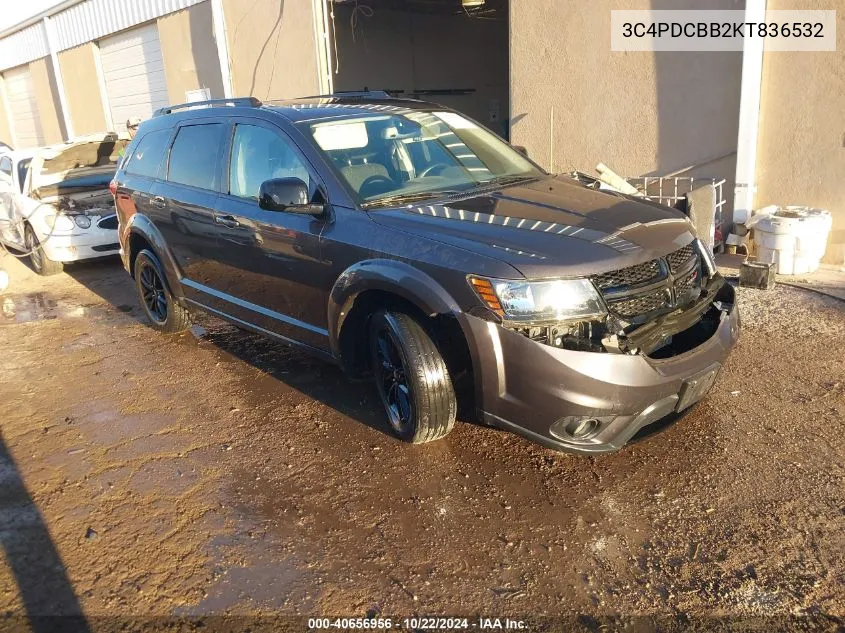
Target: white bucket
[(794, 238)]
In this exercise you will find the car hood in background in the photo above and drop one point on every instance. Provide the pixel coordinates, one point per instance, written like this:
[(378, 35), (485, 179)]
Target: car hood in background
[(549, 227), (84, 163)]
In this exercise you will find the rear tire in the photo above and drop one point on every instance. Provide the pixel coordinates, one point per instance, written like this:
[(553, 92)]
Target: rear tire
[(411, 377), (160, 308), (41, 264)]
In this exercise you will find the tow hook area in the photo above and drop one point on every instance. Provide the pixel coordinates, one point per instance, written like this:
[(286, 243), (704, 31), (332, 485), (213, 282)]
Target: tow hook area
[(681, 333)]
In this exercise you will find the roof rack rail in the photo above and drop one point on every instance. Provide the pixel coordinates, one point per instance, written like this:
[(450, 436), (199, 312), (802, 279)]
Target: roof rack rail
[(240, 101), (354, 94)]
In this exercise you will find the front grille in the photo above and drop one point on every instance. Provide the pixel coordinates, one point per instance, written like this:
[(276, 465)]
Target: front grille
[(630, 276), (642, 304), (672, 292), (109, 222), (680, 257), (688, 282)]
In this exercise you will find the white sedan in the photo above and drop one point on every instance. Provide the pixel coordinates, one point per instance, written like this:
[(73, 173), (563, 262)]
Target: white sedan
[(55, 202)]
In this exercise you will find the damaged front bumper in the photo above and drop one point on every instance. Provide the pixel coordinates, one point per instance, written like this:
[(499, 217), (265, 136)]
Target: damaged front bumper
[(594, 402)]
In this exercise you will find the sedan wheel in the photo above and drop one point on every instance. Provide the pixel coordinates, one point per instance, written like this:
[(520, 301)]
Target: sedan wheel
[(41, 264)]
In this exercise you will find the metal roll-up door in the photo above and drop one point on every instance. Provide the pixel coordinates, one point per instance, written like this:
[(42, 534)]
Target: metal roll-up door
[(133, 71), (23, 107)]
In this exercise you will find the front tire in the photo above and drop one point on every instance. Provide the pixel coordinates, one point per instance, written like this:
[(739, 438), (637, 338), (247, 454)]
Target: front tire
[(411, 377), (41, 264), (160, 308)]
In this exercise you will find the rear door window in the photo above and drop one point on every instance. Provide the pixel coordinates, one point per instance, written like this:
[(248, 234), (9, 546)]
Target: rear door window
[(147, 155), (195, 155), (6, 166)]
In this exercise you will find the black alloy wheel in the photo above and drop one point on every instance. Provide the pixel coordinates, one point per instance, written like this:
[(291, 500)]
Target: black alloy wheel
[(164, 312), (393, 384), (411, 377), (152, 293)]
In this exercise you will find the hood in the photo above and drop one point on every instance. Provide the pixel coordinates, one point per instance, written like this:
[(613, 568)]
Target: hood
[(552, 227), (80, 165)]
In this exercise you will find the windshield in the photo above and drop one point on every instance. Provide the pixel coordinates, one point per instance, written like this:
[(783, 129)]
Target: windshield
[(387, 157)]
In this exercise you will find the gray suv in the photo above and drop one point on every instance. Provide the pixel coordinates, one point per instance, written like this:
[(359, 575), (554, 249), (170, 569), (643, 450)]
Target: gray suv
[(406, 242)]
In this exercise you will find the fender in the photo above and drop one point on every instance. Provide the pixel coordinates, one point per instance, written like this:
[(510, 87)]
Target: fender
[(391, 276), (142, 226)]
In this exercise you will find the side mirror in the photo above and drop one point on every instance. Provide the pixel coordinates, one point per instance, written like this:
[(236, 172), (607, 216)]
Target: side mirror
[(521, 149), (287, 194)]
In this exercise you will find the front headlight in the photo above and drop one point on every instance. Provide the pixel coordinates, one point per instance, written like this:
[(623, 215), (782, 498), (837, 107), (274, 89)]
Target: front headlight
[(82, 221), (59, 222), (533, 301)]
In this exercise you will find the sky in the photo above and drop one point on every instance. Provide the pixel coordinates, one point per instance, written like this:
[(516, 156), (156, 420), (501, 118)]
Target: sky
[(15, 11)]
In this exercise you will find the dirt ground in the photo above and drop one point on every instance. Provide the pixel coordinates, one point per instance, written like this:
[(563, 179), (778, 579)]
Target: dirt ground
[(216, 473)]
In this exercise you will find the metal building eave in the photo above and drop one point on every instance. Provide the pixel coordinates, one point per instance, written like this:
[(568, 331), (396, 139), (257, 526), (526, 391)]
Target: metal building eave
[(24, 45), (76, 22), (38, 17)]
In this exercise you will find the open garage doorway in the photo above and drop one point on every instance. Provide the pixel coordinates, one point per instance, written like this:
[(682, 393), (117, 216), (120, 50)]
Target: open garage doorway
[(447, 51)]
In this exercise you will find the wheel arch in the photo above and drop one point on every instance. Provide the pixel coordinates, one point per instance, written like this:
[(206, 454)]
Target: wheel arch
[(142, 233), (378, 284), (382, 277)]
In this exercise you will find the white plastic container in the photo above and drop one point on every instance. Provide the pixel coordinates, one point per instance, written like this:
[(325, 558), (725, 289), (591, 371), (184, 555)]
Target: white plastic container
[(794, 238)]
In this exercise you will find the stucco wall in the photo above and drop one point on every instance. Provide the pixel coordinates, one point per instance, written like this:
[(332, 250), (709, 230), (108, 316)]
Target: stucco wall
[(801, 149), (190, 52), (45, 94), (640, 113), (271, 48), (82, 90)]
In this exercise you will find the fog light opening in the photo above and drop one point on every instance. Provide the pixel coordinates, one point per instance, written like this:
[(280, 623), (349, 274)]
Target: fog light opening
[(581, 428)]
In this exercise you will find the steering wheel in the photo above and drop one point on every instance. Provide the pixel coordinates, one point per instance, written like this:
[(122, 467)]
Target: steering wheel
[(431, 169), (374, 185)]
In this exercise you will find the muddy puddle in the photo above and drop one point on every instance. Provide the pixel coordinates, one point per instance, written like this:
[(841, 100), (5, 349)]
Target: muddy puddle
[(38, 306), (217, 472)]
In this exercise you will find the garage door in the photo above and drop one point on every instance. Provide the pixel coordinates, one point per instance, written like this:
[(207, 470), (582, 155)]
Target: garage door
[(24, 108), (133, 71)]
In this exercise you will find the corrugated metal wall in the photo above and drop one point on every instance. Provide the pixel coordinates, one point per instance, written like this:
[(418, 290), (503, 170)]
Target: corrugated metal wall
[(95, 18), (83, 22), (24, 46)]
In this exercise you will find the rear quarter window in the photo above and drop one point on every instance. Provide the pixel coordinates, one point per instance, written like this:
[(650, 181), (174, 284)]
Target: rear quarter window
[(146, 157), (195, 155)]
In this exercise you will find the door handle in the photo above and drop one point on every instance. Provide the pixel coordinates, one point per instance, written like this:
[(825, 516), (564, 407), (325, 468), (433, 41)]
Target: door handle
[(157, 202), (227, 221)]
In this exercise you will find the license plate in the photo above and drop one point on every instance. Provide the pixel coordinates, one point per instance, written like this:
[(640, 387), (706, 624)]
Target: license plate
[(696, 387)]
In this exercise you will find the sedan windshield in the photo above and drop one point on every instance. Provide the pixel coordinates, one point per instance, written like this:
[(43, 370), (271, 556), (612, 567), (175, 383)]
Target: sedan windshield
[(392, 158)]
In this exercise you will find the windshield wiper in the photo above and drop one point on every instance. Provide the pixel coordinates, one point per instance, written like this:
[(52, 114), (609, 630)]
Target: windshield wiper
[(408, 197), (502, 181), (492, 184)]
